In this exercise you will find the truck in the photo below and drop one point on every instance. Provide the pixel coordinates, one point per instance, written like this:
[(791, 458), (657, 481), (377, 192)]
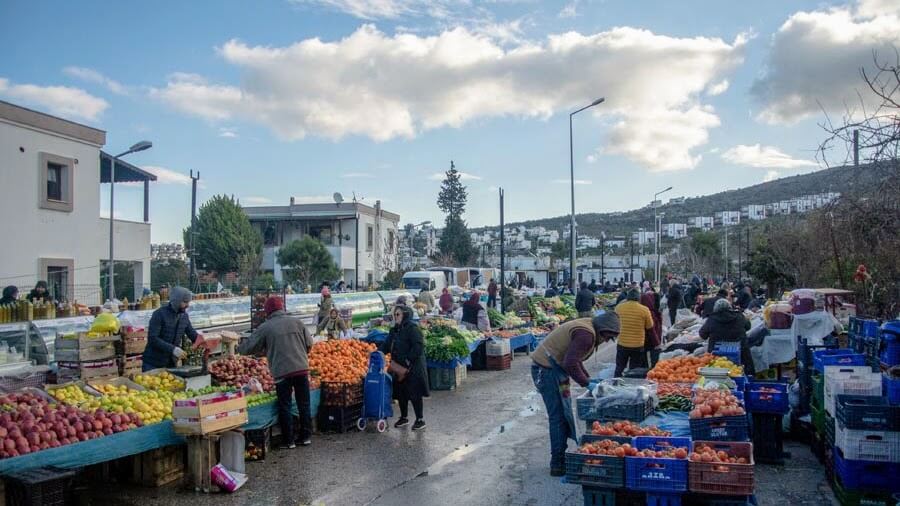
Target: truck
[(435, 282)]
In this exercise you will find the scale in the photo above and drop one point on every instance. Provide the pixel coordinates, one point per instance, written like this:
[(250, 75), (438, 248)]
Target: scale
[(195, 376), (717, 374)]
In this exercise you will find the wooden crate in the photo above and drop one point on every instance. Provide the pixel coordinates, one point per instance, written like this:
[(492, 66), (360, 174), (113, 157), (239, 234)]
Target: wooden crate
[(159, 467), (209, 413), (202, 455)]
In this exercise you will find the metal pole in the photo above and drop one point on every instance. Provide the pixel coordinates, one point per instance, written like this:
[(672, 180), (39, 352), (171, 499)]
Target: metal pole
[(856, 148), (112, 196), (502, 252), (726, 249), (193, 273), (572, 223), (602, 257)]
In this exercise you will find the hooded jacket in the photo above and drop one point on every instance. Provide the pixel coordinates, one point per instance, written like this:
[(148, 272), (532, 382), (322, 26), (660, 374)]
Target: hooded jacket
[(407, 347), (584, 301), (729, 326), (168, 326), (285, 341)]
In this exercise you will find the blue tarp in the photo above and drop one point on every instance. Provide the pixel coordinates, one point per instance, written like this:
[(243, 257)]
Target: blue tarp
[(676, 422), (521, 341)]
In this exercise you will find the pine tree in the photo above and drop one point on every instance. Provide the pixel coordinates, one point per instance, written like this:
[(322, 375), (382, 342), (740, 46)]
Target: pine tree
[(455, 241)]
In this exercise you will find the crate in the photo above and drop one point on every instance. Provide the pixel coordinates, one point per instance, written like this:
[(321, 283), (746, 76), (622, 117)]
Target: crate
[(864, 383), (341, 394), (590, 438), (498, 363), (663, 499), (860, 498), (768, 439), (131, 365), (595, 470), (890, 355), (46, 486), (339, 419), (759, 401), (880, 446), (446, 379), (891, 388), (721, 428), (209, 413), (723, 478), (68, 371), (829, 430), (817, 416), (724, 500), (35, 379), (867, 413), (866, 475), (132, 346), (818, 391), (257, 444), (657, 475), (598, 496), (843, 357), (731, 351), (159, 467)]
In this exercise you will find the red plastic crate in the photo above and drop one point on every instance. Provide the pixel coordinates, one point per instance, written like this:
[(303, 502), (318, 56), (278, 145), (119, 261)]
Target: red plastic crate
[(723, 478)]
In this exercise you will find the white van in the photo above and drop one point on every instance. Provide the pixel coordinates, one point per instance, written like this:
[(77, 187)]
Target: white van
[(435, 282)]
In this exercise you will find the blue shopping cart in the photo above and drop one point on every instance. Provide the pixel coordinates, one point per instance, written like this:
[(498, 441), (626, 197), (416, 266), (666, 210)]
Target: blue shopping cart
[(377, 400)]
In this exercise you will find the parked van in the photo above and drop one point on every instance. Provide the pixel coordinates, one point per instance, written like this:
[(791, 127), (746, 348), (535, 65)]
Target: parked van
[(435, 282), (455, 276)]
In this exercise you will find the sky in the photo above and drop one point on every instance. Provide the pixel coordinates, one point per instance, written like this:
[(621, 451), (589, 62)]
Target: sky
[(374, 98)]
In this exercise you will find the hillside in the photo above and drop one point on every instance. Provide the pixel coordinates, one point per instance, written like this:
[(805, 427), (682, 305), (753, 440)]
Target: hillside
[(845, 179)]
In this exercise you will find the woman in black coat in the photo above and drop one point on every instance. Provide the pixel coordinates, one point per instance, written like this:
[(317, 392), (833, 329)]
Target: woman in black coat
[(726, 325), (407, 348)]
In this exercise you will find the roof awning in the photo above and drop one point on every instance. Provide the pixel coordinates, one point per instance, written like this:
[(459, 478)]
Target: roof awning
[(125, 172)]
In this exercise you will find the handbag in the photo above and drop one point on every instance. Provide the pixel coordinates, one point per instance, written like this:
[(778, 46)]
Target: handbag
[(396, 369)]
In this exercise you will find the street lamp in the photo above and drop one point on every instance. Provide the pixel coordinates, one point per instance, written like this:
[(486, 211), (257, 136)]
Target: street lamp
[(140, 146), (411, 234), (642, 238), (658, 226), (572, 177)]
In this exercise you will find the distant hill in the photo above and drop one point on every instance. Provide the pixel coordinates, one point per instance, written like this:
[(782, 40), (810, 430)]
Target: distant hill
[(844, 179)]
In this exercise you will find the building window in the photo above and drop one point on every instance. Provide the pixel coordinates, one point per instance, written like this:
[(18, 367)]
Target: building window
[(391, 241), (370, 237), (55, 179), (370, 278), (58, 273), (323, 233)]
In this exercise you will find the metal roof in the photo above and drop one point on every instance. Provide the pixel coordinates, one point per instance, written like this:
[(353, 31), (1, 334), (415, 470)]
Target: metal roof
[(125, 172)]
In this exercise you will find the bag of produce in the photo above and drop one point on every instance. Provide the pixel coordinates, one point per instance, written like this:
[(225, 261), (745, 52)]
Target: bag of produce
[(105, 322)]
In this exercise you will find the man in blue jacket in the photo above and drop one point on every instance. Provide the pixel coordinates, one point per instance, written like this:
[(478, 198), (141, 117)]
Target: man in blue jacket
[(168, 326)]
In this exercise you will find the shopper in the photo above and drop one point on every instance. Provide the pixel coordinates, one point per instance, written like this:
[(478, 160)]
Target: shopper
[(653, 337), (10, 295), (286, 344), (674, 299), (325, 304), (635, 321), (725, 325), (492, 294), (446, 301), (473, 314), (426, 298), (744, 297), (584, 301), (39, 292), (559, 359), (550, 291), (168, 326), (333, 326), (407, 348), (710, 303), (593, 286)]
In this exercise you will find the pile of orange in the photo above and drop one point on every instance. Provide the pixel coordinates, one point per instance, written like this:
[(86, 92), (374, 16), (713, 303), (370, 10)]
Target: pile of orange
[(340, 360), (679, 369)]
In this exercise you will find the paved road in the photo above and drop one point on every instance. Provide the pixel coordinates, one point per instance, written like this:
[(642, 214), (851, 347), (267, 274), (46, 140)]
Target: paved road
[(485, 444)]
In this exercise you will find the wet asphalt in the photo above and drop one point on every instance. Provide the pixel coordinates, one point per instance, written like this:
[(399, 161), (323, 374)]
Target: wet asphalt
[(486, 443)]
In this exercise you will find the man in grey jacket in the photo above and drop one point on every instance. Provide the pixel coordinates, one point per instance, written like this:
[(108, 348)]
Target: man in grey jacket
[(286, 343)]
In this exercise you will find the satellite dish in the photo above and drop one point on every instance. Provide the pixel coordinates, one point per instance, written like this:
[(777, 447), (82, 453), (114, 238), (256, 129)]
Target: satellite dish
[(338, 198)]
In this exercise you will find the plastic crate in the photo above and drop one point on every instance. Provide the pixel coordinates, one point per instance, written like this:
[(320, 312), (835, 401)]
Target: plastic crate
[(339, 419), (839, 383), (839, 357), (663, 499), (723, 478), (725, 500), (818, 391), (341, 394), (758, 401), (257, 444), (866, 475), (590, 438), (44, 486), (598, 496), (499, 363), (657, 475), (721, 428), (731, 351), (587, 411), (440, 378), (880, 446), (890, 354), (860, 498), (768, 439), (867, 413), (817, 416), (891, 388), (595, 470)]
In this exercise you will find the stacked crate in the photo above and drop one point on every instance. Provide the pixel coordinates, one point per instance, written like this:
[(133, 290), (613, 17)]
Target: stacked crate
[(341, 406), (499, 354), (83, 357), (130, 350)]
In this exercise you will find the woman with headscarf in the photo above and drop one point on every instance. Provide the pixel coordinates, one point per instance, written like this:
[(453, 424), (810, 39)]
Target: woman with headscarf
[(407, 348), (333, 325), (653, 339), (446, 301), (325, 305), (726, 325), (10, 295), (473, 314), (39, 292), (168, 326)]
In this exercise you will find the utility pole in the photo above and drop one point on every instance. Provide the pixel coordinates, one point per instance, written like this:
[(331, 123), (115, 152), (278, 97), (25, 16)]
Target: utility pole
[(602, 257), (856, 148), (502, 253), (631, 263), (726, 248), (192, 278)]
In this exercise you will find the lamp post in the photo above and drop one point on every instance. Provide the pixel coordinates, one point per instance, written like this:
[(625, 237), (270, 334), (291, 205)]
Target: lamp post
[(642, 237), (658, 226), (572, 177), (140, 146)]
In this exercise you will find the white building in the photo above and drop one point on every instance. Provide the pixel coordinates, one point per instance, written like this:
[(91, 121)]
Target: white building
[(803, 204), (727, 218), (753, 212), (51, 172), (587, 242), (616, 242), (676, 200), (674, 230), (704, 223), (363, 240), (643, 237)]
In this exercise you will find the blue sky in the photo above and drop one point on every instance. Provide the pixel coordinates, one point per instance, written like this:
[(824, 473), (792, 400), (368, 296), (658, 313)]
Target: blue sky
[(307, 97)]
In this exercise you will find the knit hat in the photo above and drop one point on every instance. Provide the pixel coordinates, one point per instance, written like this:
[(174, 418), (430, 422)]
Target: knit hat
[(722, 305), (633, 294), (607, 321), (273, 304)]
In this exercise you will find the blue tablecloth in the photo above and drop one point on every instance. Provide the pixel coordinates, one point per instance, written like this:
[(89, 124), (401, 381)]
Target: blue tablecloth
[(266, 415), (521, 341), (455, 362), (95, 451)]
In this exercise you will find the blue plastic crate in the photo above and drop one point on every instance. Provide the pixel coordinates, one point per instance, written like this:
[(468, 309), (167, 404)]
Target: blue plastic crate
[(866, 475), (758, 401), (663, 499), (863, 412), (891, 388), (843, 357), (721, 428), (870, 327), (657, 475), (740, 383), (890, 353), (731, 351)]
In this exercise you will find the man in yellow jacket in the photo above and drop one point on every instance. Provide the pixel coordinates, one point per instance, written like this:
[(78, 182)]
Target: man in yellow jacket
[(634, 320)]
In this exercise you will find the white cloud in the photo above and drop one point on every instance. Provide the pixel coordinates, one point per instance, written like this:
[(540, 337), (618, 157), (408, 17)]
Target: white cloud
[(577, 181), (463, 176), (228, 132), (168, 176), (591, 158), (385, 87), (93, 76), (718, 88), (255, 201), (357, 175), (389, 9), (771, 175), (569, 11), (816, 56), (764, 157), (59, 100)]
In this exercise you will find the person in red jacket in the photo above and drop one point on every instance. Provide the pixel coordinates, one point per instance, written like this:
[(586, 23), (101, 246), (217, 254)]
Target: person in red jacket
[(492, 294)]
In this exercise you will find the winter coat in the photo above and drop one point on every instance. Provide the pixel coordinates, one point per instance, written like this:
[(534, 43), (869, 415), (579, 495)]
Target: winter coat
[(708, 304), (675, 297), (584, 301), (284, 340), (731, 327), (407, 347), (426, 298), (331, 326), (325, 308), (446, 302), (166, 331), (650, 300)]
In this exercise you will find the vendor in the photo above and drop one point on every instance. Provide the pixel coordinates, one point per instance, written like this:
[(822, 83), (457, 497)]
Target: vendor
[(725, 325), (333, 325), (168, 326), (446, 301), (39, 292), (710, 303), (286, 344), (325, 304), (559, 358), (10, 295), (473, 314), (426, 298), (636, 321)]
